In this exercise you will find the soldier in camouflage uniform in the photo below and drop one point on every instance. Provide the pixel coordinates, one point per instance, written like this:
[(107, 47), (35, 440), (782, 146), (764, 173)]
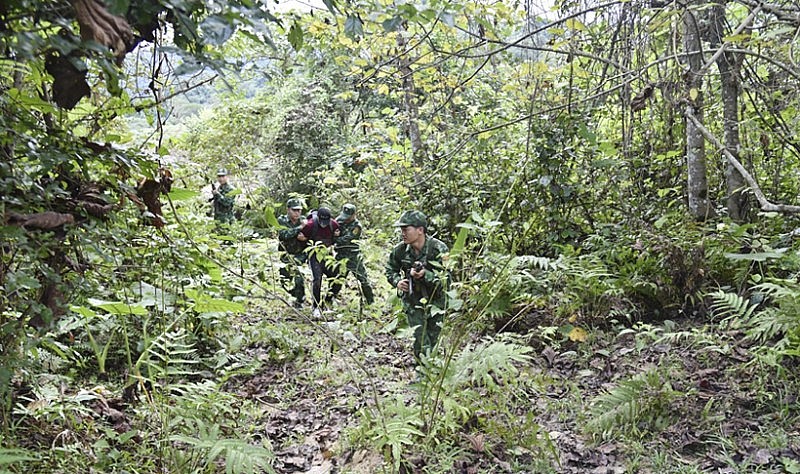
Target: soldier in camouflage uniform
[(415, 269), (293, 253), (347, 249), (223, 204)]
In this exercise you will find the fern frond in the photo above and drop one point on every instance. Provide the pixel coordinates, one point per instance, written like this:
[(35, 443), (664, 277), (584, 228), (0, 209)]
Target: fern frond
[(240, 457), (641, 401), (535, 261), (730, 306), (488, 363), (167, 354)]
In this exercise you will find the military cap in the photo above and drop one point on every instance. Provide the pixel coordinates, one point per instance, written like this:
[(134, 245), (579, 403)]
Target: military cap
[(412, 218), (222, 172), (347, 211), (294, 203)]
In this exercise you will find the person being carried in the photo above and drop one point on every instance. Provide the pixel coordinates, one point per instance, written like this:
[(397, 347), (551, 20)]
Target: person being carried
[(293, 254), (222, 202), (415, 268), (347, 248), (321, 231)]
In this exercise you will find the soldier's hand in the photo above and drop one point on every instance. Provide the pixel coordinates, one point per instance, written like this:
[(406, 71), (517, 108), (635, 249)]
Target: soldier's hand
[(302, 237), (417, 274), (402, 285), (336, 233)]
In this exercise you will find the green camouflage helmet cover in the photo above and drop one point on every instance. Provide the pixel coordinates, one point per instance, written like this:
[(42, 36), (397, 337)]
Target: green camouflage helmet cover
[(294, 203), (347, 211), (222, 172), (412, 218)]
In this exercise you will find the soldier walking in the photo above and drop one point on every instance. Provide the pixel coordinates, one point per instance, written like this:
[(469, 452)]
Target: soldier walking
[(293, 254), (348, 249), (222, 202), (415, 269)]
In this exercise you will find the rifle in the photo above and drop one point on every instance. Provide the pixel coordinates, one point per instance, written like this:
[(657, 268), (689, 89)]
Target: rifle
[(417, 266), (214, 194)]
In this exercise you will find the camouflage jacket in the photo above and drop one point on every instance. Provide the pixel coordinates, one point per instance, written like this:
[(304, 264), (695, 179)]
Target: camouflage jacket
[(402, 258), (349, 233), (287, 235), (223, 204)]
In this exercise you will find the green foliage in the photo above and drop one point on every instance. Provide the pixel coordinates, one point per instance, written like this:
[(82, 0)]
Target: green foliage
[(637, 406), (238, 456), (770, 314), (451, 391)]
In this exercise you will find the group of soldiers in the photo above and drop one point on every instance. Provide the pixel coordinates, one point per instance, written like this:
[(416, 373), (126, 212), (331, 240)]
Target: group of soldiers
[(414, 266)]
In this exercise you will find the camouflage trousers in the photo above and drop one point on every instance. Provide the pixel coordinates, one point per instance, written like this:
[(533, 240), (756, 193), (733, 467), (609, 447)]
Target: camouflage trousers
[(291, 272), (426, 327), (355, 264)]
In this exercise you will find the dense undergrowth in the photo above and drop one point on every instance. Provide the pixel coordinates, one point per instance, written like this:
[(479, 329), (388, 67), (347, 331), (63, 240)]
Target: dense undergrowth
[(546, 364), (592, 325)]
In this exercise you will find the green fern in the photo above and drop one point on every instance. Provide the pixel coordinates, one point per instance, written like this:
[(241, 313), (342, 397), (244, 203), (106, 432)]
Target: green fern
[(732, 308), (639, 403), (781, 318), (399, 426), (240, 457), (490, 363), (167, 354)]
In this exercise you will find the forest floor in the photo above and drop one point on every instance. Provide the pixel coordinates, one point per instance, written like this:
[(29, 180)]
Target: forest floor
[(703, 409)]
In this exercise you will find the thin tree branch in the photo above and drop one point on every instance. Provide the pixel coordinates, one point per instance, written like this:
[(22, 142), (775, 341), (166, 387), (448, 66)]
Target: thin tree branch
[(765, 204)]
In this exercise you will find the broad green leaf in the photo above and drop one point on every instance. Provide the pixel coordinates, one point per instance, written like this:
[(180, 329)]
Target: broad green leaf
[(269, 216), (12, 456), (353, 27), (757, 256), (296, 36), (216, 305), (461, 241), (83, 311), (574, 24), (331, 4), (180, 194), (216, 29), (118, 307), (577, 335), (392, 23), (31, 101)]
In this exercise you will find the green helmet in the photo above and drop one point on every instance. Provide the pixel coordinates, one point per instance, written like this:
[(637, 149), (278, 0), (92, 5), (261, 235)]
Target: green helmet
[(412, 218), (294, 203), (222, 172), (347, 211)]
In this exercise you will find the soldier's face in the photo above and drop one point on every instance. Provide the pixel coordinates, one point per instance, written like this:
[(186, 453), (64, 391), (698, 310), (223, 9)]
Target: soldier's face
[(411, 234), (293, 214), (222, 179)]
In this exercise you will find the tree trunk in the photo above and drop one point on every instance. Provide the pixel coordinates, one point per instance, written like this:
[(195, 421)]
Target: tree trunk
[(728, 64), (409, 101), (697, 182)]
